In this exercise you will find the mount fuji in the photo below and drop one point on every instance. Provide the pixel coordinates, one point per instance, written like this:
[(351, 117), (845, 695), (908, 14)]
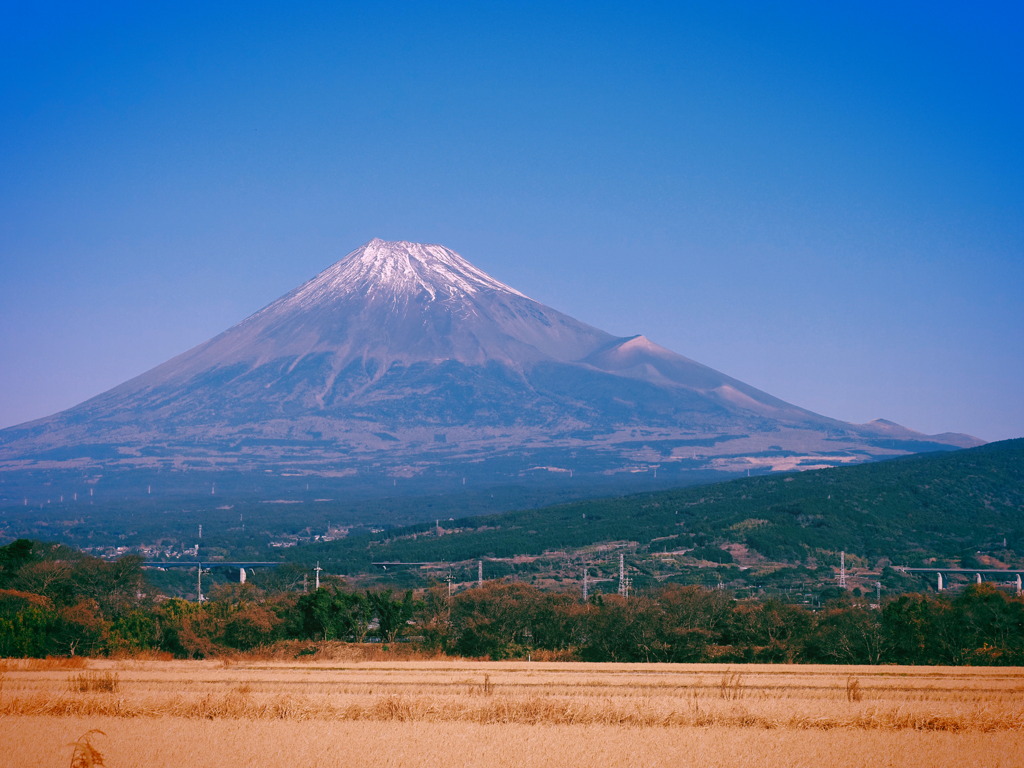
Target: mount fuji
[(403, 360)]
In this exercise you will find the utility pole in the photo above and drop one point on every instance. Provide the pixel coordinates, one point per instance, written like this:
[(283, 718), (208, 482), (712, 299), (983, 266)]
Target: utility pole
[(199, 568)]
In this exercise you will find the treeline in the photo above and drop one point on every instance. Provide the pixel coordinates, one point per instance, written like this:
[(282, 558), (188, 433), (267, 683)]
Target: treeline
[(54, 601), (981, 625)]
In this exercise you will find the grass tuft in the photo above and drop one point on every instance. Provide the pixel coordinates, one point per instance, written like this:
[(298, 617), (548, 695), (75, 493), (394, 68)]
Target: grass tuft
[(94, 682), (853, 691), (84, 754), (731, 686)]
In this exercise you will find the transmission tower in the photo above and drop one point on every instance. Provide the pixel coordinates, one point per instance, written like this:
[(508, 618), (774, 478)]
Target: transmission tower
[(842, 570), (623, 580)]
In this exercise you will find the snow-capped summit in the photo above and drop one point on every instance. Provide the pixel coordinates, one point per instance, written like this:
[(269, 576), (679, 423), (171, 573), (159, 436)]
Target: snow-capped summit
[(396, 302), (397, 269), (406, 358)]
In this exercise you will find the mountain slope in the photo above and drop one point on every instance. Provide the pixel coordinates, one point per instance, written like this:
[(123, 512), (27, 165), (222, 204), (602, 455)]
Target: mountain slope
[(404, 359)]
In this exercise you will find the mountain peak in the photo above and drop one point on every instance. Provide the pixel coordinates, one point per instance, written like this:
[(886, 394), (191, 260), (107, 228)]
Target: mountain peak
[(399, 269)]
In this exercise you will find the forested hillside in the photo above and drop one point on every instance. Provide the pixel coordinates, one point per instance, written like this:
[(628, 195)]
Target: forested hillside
[(946, 508)]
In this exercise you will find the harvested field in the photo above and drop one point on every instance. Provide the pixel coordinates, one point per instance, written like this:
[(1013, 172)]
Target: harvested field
[(450, 713)]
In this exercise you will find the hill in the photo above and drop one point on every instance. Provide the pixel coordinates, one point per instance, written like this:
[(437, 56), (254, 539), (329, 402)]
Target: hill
[(946, 508)]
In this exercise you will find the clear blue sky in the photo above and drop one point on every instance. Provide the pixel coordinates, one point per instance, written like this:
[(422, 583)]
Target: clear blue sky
[(825, 200)]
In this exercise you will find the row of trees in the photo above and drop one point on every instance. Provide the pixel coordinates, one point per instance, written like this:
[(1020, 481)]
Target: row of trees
[(982, 625), (54, 601)]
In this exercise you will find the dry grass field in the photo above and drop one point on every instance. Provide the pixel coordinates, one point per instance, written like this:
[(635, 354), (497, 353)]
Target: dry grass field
[(441, 714)]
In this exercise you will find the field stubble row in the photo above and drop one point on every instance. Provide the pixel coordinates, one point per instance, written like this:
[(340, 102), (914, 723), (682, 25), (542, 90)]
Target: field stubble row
[(761, 696)]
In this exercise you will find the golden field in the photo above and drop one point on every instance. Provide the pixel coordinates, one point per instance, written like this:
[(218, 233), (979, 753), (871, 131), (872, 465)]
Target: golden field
[(438, 714)]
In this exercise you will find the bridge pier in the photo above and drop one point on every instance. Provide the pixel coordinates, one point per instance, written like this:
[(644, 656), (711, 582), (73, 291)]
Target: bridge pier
[(977, 578), (940, 581), (241, 575)]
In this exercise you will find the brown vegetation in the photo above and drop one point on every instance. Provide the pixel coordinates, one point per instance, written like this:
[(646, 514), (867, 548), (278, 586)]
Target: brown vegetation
[(88, 682), (638, 695), (84, 754)]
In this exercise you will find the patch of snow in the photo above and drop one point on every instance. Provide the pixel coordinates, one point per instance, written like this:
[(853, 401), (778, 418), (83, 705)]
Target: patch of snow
[(734, 396), (782, 463)]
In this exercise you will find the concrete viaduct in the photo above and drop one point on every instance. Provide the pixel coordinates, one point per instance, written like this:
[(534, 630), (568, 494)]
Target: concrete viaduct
[(201, 566), (979, 574)]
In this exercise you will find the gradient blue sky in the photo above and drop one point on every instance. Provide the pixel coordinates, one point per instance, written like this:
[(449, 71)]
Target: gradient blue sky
[(825, 200)]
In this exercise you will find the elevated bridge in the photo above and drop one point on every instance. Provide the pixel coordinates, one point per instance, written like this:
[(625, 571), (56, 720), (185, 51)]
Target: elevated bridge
[(1011, 576), (208, 565)]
